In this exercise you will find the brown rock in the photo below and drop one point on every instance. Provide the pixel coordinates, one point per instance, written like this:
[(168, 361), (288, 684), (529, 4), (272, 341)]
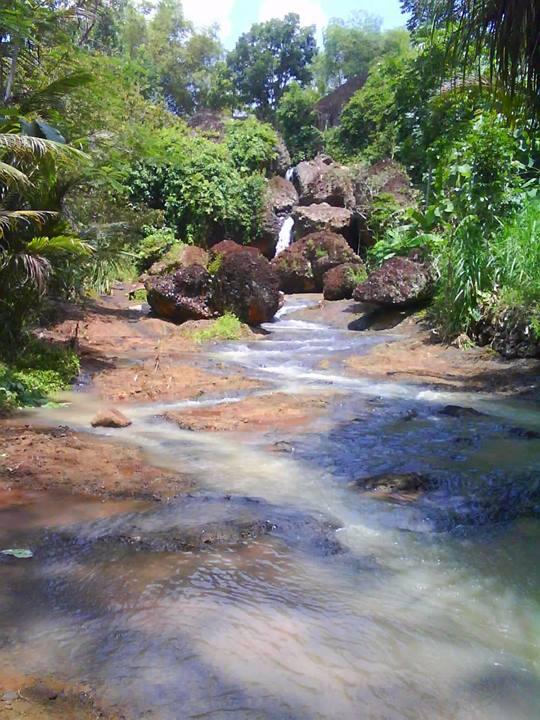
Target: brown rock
[(225, 247), (399, 282), (111, 418), (301, 267), (340, 282), (280, 198), (179, 256), (323, 181), (247, 285), (316, 218), (185, 295)]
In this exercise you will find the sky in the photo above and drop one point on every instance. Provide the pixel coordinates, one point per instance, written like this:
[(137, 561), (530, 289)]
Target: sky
[(236, 16)]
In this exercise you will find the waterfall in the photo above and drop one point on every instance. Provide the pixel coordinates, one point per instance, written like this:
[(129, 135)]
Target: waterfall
[(289, 174), (285, 235)]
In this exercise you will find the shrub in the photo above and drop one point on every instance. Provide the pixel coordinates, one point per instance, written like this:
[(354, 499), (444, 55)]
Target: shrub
[(226, 327), (252, 145), (298, 122), (154, 246)]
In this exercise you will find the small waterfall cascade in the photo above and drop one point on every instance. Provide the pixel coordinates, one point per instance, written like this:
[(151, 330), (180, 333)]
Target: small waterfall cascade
[(285, 235), (289, 174)]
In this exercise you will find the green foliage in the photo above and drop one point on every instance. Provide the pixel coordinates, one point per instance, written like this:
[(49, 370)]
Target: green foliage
[(298, 122), (199, 188), (226, 327), (268, 58), (154, 246), (215, 264), (39, 371), (401, 241), (251, 144), (357, 275)]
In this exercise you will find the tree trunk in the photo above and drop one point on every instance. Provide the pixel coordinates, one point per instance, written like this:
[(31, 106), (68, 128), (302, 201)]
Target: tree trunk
[(11, 75)]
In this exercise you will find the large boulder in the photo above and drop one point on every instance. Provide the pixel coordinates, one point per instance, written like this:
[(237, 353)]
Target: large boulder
[(399, 282), (247, 285), (323, 181), (179, 256), (226, 247), (340, 282), (280, 198), (184, 295), (301, 266), (323, 217)]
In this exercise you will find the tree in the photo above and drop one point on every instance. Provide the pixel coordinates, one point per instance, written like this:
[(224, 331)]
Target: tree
[(349, 48), (298, 122), (268, 58), (505, 31)]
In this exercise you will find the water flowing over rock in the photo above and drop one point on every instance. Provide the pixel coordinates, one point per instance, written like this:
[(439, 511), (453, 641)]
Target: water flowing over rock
[(285, 235), (399, 282), (184, 295), (301, 267), (340, 282), (323, 181), (280, 198), (247, 285), (316, 218), (110, 418)]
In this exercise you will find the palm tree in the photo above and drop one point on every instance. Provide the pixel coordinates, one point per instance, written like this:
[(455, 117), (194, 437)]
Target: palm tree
[(507, 32), (27, 256)]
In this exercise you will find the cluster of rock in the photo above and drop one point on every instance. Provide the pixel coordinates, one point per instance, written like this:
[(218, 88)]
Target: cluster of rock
[(231, 278), (322, 195)]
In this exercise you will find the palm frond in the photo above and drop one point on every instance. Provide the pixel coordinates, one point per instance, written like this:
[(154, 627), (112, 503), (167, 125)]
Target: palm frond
[(12, 219), (60, 244), (53, 95), (25, 269), (12, 177), (28, 146)]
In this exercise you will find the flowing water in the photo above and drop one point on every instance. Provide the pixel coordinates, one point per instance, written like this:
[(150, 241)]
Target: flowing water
[(285, 235), (346, 606)]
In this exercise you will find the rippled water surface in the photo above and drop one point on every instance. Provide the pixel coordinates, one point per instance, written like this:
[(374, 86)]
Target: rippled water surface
[(346, 607)]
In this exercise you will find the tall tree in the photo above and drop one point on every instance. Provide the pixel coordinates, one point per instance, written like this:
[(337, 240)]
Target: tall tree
[(268, 58)]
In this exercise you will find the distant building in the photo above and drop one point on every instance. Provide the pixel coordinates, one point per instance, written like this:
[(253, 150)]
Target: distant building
[(330, 107)]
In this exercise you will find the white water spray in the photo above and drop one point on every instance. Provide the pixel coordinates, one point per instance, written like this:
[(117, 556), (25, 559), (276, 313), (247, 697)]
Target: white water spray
[(285, 235), (289, 174)]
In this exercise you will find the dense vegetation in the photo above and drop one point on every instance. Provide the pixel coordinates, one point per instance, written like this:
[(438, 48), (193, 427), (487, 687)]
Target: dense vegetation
[(107, 161)]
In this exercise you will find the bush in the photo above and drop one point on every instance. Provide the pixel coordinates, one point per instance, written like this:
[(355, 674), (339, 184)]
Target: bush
[(226, 327), (298, 122), (41, 371), (252, 145), (203, 195), (154, 246), (400, 242)]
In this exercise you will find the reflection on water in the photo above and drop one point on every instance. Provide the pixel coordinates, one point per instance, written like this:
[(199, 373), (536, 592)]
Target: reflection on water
[(430, 612)]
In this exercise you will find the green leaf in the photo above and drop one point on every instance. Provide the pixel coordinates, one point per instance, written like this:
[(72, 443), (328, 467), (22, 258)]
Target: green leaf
[(19, 553)]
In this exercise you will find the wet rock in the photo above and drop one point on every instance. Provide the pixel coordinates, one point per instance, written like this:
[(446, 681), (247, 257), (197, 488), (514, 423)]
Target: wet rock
[(280, 198), (193, 523), (524, 433), (316, 218), (110, 418), (301, 267), (340, 282), (399, 282), (323, 181), (456, 411), (179, 256), (247, 285), (184, 295), (398, 486)]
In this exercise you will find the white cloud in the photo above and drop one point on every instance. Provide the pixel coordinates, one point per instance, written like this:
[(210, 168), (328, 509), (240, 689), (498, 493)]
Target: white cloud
[(204, 13), (311, 13)]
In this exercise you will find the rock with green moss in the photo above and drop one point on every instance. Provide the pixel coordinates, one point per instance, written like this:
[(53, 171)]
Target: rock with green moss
[(340, 282), (302, 266), (179, 256), (399, 282)]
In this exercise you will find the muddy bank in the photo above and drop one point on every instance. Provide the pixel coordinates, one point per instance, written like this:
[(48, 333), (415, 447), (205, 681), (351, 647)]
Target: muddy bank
[(260, 413), (62, 460), (127, 355), (27, 698)]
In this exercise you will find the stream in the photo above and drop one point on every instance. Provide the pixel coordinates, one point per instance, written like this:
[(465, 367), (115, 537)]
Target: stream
[(311, 600)]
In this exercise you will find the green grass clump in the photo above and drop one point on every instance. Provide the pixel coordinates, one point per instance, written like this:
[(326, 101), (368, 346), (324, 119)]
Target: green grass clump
[(39, 372), (226, 327), (357, 276)]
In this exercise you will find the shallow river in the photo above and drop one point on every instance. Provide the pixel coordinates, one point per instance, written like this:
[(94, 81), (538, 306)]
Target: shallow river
[(349, 607)]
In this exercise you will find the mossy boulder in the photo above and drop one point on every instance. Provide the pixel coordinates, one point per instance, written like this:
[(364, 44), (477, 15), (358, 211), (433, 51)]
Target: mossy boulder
[(399, 282), (339, 283), (183, 295), (179, 256)]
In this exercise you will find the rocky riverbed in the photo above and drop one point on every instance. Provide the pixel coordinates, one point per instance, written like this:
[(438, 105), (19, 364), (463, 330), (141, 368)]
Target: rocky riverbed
[(331, 512)]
